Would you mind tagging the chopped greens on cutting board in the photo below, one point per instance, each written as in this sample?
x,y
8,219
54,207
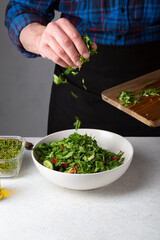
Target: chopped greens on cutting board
x,y
140,98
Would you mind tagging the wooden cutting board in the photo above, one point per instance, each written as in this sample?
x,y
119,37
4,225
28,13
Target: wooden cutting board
x,y
148,110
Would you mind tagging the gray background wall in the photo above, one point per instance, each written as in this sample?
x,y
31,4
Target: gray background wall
x,y
24,88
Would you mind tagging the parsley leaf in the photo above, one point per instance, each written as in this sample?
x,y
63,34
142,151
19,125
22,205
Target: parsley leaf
x,y
77,123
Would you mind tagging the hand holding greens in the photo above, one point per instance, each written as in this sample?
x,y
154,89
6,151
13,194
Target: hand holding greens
x,y
61,78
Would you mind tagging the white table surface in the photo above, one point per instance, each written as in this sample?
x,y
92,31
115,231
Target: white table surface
x,y
128,209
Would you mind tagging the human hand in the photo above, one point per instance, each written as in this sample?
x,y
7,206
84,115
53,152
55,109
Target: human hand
x,y
61,43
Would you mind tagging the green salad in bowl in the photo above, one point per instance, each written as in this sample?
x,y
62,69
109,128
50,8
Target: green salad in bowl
x,y
84,159
77,154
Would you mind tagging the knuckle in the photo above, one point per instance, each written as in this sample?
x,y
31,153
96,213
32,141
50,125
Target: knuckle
x,y
66,42
49,39
75,36
63,21
75,58
51,27
56,59
70,63
60,51
45,37
51,24
41,49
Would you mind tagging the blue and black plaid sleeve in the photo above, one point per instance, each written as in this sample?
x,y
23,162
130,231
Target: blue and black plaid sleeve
x,y
109,22
21,13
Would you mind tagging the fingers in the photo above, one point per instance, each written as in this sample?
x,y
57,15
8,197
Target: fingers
x,y
74,37
94,46
51,55
69,40
61,43
61,53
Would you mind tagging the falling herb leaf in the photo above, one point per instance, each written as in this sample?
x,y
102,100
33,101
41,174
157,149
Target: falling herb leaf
x,y
74,95
77,123
74,73
83,84
57,80
61,78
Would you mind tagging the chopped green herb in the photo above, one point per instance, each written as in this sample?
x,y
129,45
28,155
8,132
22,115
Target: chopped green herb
x,y
146,81
150,92
88,43
77,154
58,80
77,123
74,95
83,84
83,80
127,97
74,73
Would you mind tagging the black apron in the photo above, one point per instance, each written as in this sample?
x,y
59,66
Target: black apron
x,y
110,67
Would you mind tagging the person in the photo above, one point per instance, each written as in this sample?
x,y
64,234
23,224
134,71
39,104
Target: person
x,y
126,35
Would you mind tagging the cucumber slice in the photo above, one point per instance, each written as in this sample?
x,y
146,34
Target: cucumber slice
x,y
48,164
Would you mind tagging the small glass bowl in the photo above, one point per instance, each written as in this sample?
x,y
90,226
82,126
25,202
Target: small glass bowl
x,y
10,167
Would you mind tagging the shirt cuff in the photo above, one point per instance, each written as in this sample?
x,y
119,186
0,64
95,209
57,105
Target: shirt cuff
x,y
18,24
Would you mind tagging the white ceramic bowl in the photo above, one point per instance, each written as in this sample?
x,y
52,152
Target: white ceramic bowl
x,y
107,140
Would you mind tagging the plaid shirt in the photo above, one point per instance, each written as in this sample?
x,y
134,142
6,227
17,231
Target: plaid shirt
x,y
110,22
